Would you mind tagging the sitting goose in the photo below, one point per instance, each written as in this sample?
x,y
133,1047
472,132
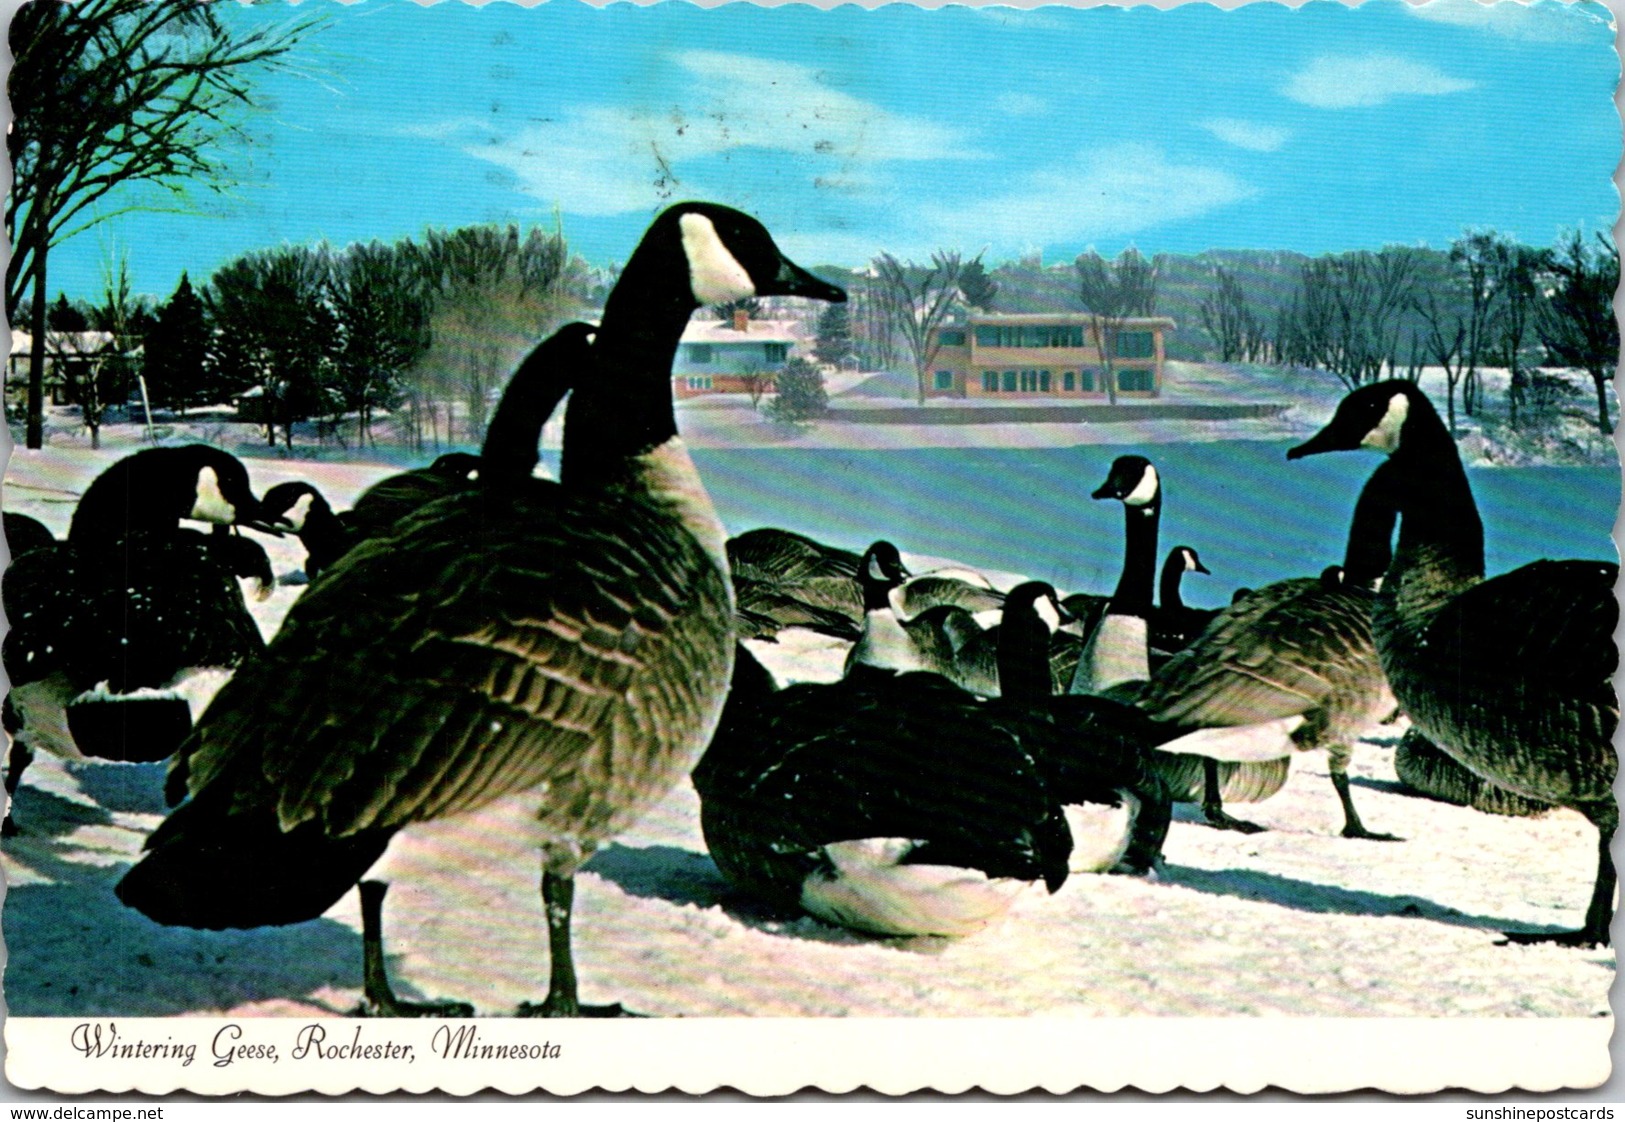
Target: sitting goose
x,y
1508,675
564,644
1290,667
888,803
121,633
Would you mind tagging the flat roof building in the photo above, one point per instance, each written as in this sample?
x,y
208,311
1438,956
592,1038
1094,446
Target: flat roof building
x,y
1051,355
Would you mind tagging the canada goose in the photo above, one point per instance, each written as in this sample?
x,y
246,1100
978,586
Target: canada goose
x,y
783,579
889,803
121,633
305,512
1288,668
1095,751
1510,675
1116,657
569,644
1173,623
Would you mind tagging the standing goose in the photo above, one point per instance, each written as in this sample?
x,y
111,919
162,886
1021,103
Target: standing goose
x,y
1288,668
1510,675
121,633
1116,658
566,644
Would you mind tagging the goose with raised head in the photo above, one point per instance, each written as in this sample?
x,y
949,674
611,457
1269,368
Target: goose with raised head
x,y
121,633
567,645
1508,675
1116,658
1288,668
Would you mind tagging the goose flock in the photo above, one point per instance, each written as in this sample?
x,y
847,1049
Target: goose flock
x,y
475,635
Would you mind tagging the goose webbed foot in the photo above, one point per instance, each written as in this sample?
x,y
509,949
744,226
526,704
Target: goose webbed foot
x,y
558,897
380,997
1352,826
1220,819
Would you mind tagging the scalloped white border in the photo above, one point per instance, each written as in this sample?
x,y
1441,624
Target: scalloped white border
x,y
782,1056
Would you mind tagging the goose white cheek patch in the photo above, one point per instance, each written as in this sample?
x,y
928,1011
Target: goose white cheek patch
x,y
1385,437
1145,490
211,505
298,512
715,275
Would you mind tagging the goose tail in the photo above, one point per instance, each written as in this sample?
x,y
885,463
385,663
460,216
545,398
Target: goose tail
x,y
210,868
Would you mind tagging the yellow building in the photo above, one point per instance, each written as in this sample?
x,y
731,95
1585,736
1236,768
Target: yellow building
x,y
1045,356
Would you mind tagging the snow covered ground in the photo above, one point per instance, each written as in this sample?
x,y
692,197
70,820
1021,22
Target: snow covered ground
x,y
1296,921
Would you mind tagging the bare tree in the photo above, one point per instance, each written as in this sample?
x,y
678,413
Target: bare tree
x,y
1111,294
1517,266
920,298
383,313
1228,320
1576,321
1444,337
757,382
106,93
1347,313
104,379
1478,258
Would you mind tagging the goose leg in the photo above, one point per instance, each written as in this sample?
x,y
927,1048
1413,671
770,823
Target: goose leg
x,y
381,1000
21,756
1352,826
1150,828
558,896
1213,802
1600,912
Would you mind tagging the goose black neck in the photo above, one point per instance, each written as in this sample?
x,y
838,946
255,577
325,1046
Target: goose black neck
x,y
1023,656
1173,571
508,456
625,408
149,494
1135,584
1428,486
1371,531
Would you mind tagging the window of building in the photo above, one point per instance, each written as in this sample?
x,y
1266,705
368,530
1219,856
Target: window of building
x,y
990,381
1089,381
699,381
1136,381
1009,381
776,352
945,379
1069,381
952,337
1044,381
700,353
1135,344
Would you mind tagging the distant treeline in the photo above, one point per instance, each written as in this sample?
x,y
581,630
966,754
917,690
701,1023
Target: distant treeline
x,y
426,329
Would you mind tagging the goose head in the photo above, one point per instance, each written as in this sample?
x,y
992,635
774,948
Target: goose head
x,y
157,487
1036,601
1187,560
1132,481
1378,417
290,505
880,571
705,253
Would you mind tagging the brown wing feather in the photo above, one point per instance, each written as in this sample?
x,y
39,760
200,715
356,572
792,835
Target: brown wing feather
x,y
477,653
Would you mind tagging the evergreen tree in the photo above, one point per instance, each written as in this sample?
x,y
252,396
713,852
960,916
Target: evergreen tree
x,y
176,351
801,396
834,344
977,287
64,316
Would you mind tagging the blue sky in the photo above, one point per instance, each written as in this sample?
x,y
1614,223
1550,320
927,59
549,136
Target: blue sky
x,y
849,131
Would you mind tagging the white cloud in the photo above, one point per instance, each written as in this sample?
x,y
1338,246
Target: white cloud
x,y
1248,134
1369,80
1549,22
606,160
1103,193
1011,104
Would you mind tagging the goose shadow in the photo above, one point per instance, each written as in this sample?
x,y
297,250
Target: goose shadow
x,y
75,950
1328,899
40,814
682,877
123,788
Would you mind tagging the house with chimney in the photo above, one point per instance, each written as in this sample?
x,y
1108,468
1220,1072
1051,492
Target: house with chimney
x,y
723,356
